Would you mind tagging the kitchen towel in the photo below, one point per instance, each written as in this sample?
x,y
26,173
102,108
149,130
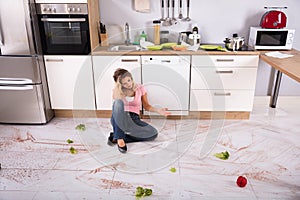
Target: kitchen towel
x,y
277,54
142,6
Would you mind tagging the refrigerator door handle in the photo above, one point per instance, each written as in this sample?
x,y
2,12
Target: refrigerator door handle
x,y
15,81
1,38
19,87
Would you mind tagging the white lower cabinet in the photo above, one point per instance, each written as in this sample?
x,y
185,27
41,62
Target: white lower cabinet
x,y
221,100
223,83
104,68
215,82
70,82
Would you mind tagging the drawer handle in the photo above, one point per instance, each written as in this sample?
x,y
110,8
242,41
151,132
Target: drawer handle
x,y
222,94
54,60
129,60
224,71
225,60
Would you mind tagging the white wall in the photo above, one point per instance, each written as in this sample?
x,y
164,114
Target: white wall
x,y
216,19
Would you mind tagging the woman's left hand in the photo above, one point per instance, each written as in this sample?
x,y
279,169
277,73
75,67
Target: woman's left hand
x,y
163,111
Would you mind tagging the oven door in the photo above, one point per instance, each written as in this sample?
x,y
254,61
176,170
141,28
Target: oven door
x,y
271,38
65,34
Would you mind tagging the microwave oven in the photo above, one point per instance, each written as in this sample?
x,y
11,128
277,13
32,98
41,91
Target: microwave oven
x,y
271,39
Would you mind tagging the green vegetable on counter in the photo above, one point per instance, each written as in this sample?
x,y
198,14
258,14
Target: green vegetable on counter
x,y
73,150
69,141
142,192
80,127
222,155
173,169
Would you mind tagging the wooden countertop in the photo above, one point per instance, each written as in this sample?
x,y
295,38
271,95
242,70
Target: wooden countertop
x,y
289,66
100,50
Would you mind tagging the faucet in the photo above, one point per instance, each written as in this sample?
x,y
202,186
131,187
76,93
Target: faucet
x,y
127,40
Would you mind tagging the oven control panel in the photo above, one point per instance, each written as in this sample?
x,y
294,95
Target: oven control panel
x,y
71,9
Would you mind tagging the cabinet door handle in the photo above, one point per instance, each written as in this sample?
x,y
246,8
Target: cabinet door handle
x,y
222,94
19,87
225,60
129,60
224,71
54,60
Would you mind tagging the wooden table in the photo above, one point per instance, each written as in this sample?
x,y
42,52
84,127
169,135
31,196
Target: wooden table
x,y
289,66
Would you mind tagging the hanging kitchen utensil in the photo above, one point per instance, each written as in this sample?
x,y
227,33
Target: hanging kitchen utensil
x,y
180,16
162,10
188,11
174,21
167,21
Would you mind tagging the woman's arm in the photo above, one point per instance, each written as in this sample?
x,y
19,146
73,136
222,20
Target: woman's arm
x,y
148,107
117,92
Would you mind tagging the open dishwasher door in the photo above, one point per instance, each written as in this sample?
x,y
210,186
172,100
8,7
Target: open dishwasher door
x,y
166,79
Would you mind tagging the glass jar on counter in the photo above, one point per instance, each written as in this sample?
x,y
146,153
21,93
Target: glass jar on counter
x,y
164,35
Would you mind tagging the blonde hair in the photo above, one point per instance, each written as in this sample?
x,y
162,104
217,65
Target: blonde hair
x,y
119,75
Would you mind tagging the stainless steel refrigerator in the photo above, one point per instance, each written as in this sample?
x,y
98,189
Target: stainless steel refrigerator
x,y
24,96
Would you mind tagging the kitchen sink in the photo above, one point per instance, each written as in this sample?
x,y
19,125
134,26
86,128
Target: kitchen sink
x,y
125,48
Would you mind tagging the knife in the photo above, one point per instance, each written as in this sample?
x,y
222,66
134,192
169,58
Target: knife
x,y
102,28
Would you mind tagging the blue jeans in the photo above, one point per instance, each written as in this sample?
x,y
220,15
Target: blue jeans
x,y
128,125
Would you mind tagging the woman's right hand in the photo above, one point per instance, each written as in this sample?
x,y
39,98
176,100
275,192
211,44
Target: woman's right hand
x,y
117,91
163,111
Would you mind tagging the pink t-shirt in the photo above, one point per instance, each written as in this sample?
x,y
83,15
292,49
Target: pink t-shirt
x,y
133,104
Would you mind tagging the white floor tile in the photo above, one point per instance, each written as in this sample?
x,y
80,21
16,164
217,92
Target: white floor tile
x,y
37,163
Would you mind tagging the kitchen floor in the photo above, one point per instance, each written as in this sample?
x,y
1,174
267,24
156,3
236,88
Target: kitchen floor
x,y
37,162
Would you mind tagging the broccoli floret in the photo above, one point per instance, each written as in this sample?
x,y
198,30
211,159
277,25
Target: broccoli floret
x,y
69,141
73,150
139,192
147,192
142,192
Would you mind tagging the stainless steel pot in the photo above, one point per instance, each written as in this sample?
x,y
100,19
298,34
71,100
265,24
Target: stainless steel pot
x,y
235,43
184,37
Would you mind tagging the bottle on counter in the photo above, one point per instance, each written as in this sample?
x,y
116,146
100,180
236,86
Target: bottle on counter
x,y
195,36
195,30
156,27
143,36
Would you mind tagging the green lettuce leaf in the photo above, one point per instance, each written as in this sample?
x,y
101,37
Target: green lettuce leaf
x,y
222,155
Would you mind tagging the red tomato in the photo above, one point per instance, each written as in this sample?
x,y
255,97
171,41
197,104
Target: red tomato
x,y
241,181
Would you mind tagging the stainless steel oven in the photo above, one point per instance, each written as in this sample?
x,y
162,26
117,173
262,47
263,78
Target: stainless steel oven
x,y
64,29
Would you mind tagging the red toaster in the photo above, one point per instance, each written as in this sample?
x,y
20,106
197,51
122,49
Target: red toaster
x,y
273,19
